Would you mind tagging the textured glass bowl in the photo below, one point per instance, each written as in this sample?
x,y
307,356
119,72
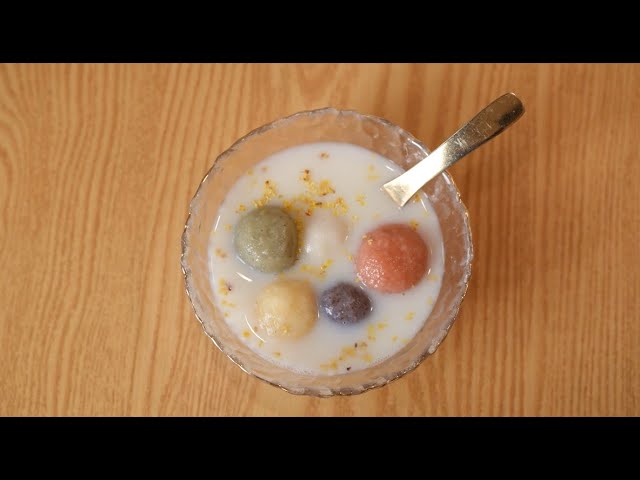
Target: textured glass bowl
x,y
327,124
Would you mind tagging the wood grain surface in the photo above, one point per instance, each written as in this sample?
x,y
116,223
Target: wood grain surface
x,y
98,164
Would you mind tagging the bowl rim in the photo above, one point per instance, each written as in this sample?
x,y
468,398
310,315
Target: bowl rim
x,y
429,349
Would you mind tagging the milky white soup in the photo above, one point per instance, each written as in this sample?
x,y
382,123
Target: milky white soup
x,y
320,184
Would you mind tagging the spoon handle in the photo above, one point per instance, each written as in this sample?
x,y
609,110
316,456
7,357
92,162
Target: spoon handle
x,y
489,122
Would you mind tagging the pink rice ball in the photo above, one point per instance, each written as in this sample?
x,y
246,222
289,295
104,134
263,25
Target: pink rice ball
x,y
392,258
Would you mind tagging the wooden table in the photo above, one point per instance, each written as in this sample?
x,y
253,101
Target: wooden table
x,y
98,164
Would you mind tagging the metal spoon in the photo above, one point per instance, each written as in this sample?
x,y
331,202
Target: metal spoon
x,y
488,123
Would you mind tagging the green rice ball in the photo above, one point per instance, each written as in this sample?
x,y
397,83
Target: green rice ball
x,y
267,239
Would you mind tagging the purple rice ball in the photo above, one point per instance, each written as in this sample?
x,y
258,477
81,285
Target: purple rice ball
x,y
345,303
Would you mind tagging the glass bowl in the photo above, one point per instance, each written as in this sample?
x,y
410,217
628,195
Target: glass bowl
x,y
326,124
